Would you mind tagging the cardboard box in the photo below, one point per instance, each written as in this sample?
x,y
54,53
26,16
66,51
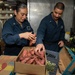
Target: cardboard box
x,y
28,68
67,61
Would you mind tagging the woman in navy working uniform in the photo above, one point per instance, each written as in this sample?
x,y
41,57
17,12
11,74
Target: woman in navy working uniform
x,y
17,31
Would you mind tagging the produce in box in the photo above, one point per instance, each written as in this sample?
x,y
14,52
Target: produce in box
x,y
32,57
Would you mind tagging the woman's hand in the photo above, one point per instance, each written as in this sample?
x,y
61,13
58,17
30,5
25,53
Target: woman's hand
x,y
32,42
27,35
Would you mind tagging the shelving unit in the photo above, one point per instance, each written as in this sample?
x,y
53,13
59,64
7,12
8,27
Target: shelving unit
x,y
6,11
5,14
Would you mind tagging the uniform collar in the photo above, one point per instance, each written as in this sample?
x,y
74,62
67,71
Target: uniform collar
x,y
52,20
16,23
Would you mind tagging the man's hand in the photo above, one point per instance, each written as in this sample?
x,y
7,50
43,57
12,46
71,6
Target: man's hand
x,y
61,43
40,47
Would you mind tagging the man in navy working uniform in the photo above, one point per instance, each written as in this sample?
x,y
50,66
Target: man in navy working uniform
x,y
50,34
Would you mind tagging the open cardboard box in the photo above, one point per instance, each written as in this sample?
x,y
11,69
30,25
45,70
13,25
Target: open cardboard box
x,y
65,60
28,68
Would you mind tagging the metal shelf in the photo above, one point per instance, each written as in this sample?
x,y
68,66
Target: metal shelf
x,y
6,12
5,17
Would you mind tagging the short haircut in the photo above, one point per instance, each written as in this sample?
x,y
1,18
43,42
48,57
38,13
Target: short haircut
x,y
60,6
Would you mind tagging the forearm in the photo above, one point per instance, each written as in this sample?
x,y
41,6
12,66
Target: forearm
x,y
39,39
11,39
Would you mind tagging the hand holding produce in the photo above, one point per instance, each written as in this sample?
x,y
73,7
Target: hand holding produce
x,y
32,42
32,57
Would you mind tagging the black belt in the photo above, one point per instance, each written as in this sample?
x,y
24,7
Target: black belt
x,y
19,46
50,43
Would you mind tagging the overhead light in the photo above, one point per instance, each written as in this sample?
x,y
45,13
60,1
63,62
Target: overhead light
x,y
6,4
1,1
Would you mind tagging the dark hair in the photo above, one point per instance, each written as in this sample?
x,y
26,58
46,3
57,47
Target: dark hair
x,y
59,5
19,5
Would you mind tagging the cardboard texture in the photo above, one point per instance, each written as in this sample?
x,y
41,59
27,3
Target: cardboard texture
x,y
40,74
9,60
35,74
28,68
65,60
